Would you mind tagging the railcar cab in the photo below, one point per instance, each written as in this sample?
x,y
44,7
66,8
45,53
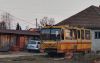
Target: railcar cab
x,y
52,33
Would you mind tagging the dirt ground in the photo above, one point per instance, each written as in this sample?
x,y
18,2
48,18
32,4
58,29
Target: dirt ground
x,y
24,57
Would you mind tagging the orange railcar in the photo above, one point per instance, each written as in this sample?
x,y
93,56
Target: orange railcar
x,y
63,39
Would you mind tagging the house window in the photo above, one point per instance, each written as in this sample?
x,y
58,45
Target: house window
x,y
97,35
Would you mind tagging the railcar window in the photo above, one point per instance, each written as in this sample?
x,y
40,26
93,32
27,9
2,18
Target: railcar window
x,y
68,35
75,34
82,34
71,34
87,34
45,34
55,34
51,34
78,34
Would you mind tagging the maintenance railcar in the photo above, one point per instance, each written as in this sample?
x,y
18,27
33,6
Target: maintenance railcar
x,y
63,39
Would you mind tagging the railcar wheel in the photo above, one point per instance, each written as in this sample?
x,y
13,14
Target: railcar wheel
x,y
51,54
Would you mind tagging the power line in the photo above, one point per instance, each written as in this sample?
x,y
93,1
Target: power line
x,y
22,20
16,18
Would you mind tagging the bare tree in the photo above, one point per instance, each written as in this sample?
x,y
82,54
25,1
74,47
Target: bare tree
x,y
43,21
2,25
27,27
51,21
47,21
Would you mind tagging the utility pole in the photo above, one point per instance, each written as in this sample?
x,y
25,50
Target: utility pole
x,y
7,19
36,23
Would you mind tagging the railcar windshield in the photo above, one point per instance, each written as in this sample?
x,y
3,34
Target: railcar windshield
x,y
51,34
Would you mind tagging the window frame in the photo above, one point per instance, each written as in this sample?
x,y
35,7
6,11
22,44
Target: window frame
x,y
97,35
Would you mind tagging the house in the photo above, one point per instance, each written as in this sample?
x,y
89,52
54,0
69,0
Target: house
x,y
88,18
15,39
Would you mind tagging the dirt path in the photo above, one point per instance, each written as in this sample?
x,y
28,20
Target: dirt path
x,y
24,57
18,54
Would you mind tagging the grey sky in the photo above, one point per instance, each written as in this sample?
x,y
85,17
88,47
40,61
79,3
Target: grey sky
x,y
58,9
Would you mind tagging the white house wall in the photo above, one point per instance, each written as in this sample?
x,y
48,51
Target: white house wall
x,y
95,42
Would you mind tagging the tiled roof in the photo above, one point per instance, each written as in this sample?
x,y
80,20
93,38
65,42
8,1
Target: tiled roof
x,y
88,18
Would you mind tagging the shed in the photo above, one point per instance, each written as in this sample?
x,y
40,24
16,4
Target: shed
x,y
11,38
